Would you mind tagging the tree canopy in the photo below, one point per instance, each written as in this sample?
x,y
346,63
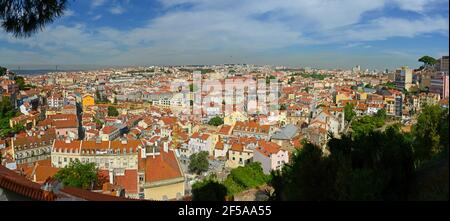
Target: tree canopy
x,y
367,124
216,121
349,112
77,174
3,70
372,165
427,60
208,190
198,162
375,166
430,132
7,112
243,178
112,111
23,18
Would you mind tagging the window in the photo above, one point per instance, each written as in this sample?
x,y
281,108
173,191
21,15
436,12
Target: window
x,y
65,159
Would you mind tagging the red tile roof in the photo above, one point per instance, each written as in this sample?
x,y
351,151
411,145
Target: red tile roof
x,y
162,167
18,184
267,148
129,181
109,129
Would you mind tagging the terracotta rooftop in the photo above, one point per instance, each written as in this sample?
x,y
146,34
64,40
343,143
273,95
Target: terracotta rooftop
x,y
162,167
18,184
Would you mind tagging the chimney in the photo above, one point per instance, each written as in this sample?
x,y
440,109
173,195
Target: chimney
x,y
111,176
143,153
166,147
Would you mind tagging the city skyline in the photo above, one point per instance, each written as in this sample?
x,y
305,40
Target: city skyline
x,y
374,34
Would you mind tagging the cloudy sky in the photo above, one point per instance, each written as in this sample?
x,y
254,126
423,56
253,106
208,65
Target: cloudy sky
x,y
316,33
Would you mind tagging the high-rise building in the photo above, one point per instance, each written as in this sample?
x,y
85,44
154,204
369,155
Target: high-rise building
x,y
403,78
444,64
439,84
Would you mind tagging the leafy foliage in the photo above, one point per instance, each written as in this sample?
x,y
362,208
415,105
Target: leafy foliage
x,y
389,85
22,18
291,80
112,111
427,60
375,166
314,76
270,78
79,175
7,112
349,112
216,121
3,71
247,177
198,162
430,132
367,124
208,190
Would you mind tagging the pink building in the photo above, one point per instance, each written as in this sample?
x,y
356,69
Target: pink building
x,y
270,155
440,85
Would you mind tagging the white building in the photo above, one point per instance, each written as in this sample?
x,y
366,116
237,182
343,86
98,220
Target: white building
x,y
270,155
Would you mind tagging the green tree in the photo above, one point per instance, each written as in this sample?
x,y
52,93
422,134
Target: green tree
x,y
198,162
381,114
18,128
20,81
7,112
373,166
112,111
291,80
366,124
427,60
3,71
78,174
349,112
243,178
208,190
22,18
431,124
390,85
215,121
368,86
269,78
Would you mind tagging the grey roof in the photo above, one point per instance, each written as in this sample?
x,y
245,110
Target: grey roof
x,y
286,133
370,90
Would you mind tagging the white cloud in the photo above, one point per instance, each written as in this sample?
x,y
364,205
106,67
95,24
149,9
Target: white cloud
x,y
242,28
117,10
384,28
69,13
97,3
97,17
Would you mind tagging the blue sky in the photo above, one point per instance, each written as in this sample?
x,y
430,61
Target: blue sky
x,y
321,33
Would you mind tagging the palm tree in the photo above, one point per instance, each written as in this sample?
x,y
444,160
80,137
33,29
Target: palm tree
x,y
23,18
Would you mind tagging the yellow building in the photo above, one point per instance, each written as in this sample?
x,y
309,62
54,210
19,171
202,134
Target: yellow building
x,y
88,100
233,117
389,101
362,96
342,96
